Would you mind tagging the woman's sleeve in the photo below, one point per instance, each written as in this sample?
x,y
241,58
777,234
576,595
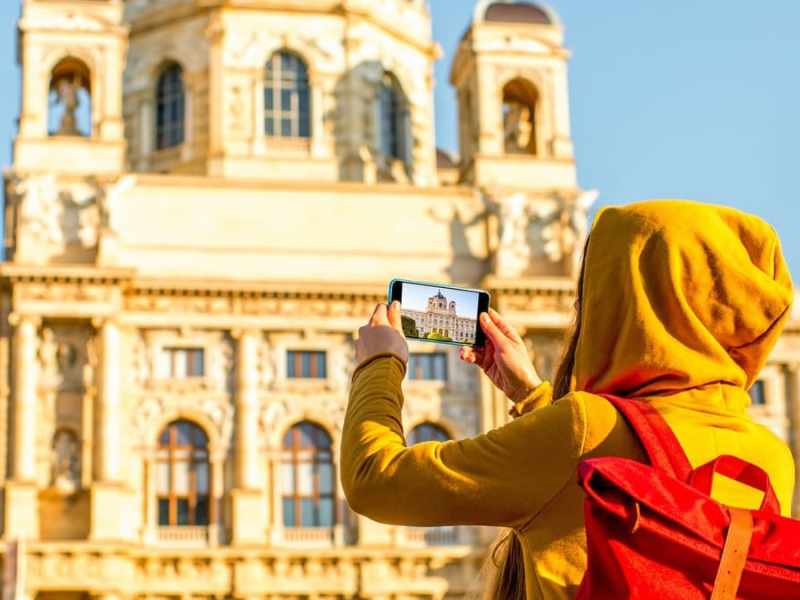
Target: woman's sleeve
x,y
503,478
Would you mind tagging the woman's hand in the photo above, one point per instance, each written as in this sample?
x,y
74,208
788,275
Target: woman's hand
x,y
383,333
504,358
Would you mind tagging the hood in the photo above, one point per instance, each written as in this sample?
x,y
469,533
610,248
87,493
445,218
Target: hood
x,y
679,295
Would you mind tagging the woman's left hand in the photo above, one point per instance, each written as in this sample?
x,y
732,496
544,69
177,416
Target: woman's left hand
x,y
383,333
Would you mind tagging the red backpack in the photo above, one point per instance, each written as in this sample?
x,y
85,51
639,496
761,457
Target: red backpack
x,y
653,531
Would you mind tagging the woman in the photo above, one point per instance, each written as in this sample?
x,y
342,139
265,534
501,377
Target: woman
x,y
679,304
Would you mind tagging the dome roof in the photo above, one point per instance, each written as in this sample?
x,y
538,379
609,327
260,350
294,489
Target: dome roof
x,y
516,11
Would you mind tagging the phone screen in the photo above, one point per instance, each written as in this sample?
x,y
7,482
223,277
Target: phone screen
x,y
439,313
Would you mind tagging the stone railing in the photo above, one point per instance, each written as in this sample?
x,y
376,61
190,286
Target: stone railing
x,y
438,536
184,536
314,537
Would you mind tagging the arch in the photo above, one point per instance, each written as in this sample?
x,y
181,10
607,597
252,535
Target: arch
x,y
183,475
215,441
287,96
520,113
170,101
307,476
70,98
392,117
428,431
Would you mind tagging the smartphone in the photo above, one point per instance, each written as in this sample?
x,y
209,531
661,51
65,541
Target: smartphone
x,y
439,313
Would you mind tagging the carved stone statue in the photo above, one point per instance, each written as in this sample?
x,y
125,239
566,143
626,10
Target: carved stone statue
x,y
513,254
66,461
67,89
517,127
48,359
40,211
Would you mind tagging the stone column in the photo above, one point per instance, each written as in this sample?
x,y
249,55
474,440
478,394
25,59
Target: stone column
x,y
107,486
793,413
21,502
249,503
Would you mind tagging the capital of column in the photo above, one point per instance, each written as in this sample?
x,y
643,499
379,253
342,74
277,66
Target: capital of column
x,y
16,319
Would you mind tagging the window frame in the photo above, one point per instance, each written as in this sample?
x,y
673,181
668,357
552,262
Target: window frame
x,y
172,353
170,131
287,97
294,456
421,357
198,454
294,360
393,115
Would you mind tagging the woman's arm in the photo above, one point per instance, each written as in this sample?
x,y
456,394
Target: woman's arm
x,y
502,478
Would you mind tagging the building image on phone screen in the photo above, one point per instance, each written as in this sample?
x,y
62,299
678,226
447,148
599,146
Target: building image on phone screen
x,y
439,317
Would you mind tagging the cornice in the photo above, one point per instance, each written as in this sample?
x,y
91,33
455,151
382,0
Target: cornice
x,y
11,273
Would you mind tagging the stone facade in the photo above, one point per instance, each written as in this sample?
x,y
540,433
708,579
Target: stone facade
x,y
177,264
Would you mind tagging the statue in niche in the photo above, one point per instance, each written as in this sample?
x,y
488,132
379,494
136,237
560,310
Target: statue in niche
x,y
48,359
67,89
66,461
517,127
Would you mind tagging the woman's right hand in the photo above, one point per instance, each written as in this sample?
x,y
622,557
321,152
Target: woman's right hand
x,y
504,358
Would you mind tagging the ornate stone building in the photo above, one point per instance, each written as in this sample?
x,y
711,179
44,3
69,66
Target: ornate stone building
x,y
440,318
206,200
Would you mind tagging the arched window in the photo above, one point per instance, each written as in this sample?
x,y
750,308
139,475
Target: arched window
x,y
520,100
392,118
182,474
427,432
287,97
170,107
307,477
69,99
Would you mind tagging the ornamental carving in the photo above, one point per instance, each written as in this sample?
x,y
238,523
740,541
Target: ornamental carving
x,y
265,305
151,412
64,292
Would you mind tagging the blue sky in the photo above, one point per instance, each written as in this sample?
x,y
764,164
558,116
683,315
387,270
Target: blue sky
x,y
415,297
669,99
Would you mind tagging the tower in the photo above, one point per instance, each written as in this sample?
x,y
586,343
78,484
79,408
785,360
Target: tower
x,y
71,58
510,74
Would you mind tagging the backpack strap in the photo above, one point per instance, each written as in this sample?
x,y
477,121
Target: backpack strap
x,y
659,443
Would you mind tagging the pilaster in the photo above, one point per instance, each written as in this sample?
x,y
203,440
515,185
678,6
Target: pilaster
x,y
247,499
21,493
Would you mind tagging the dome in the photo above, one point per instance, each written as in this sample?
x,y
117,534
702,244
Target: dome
x,y
512,11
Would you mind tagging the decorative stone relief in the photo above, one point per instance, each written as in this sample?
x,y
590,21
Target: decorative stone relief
x,y
64,292
151,411
40,212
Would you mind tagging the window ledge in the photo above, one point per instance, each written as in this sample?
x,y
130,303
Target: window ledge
x,y
313,537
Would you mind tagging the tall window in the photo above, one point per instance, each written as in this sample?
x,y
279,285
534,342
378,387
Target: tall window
x,y
182,363
170,108
182,475
758,393
427,365
287,97
305,365
392,117
307,477
427,432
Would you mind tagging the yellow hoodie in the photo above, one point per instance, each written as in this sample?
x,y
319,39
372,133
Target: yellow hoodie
x,y
682,302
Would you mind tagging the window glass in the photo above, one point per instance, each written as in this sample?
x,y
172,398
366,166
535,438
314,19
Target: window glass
x,y
427,432
288,512
286,84
430,366
170,107
163,511
305,364
326,517
758,393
